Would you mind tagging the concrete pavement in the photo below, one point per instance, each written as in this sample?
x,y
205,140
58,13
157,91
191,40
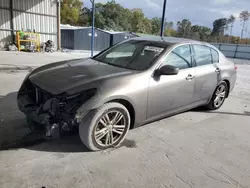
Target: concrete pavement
x,y
193,149
26,61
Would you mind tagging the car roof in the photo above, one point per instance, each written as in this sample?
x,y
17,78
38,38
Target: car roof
x,y
168,40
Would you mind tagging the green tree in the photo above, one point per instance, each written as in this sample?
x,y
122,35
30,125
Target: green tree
x,y
156,25
169,29
219,27
170,25
196,29
173,33
126,22
147,26
230,22
70,11
85,17
244,17
205,33
112,13
137,21
184,28
100,20
112,16
201,32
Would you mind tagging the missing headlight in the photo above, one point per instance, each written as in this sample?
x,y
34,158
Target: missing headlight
x,y
82,95
71,103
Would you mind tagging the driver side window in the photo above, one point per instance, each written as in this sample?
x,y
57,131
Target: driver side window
x,y
180,57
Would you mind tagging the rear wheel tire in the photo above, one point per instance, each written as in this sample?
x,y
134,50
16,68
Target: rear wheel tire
x,y
105,127
219,96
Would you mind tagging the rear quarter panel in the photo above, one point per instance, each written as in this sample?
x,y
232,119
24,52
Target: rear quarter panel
x,y
228,71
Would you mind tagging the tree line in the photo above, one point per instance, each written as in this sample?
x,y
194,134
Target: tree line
x,y
113,16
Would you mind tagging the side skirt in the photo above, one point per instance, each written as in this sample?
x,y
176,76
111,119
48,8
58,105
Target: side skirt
x,y
172,113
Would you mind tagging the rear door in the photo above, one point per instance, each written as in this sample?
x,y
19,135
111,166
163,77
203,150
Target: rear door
x,y
206,73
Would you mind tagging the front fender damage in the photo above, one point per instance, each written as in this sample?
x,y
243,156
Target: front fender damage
x,y
88,107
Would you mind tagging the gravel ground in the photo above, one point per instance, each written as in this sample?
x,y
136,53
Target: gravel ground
x,y
193,149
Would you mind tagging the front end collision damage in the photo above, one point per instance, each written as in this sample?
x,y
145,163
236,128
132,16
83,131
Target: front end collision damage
x,y
51,113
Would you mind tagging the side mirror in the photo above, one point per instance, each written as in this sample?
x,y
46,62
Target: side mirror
x,y
168,70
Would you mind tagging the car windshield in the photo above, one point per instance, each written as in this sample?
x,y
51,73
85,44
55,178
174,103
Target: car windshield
x,y
133,54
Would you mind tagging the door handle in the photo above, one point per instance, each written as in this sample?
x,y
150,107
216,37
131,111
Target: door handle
x,y
190,77
217,70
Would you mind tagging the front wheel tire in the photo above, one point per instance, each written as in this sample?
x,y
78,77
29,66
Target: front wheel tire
x,y
105,127
219,96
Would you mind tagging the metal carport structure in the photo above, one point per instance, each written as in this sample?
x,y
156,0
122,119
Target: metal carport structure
x,y
79,38
43,16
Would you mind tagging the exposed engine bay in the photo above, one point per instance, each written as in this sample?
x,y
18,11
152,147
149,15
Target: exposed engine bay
x,y
53,114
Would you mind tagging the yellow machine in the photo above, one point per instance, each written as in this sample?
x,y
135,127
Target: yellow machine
x,y
28,40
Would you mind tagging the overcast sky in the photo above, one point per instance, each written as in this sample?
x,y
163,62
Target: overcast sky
x,y
201,12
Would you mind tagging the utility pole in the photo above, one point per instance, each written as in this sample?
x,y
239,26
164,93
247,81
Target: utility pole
x,y
163,18
93,28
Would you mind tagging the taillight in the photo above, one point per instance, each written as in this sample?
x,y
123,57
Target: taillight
x,y
235,67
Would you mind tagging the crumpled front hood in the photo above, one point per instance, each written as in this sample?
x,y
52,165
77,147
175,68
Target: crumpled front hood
x,y
61,77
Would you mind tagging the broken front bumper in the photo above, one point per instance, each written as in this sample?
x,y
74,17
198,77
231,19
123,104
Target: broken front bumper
x,y
49,110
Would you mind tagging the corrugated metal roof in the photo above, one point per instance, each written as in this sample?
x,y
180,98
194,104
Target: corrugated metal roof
x,y
5,3
112,32
40,23
5,19
36,6
67,26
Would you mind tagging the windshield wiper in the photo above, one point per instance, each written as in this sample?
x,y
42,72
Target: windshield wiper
x,y
115,65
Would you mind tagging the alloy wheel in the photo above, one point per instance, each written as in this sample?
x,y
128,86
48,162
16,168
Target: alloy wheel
x,y
110,128
220,95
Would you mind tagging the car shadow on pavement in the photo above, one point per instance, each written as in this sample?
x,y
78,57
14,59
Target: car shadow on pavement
x,y
14,132
67,144
205,110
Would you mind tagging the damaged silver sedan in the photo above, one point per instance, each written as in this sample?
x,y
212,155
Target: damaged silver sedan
x,y
130,84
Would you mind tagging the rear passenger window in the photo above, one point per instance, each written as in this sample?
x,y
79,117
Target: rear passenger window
x,y
180,57
215,56
202,55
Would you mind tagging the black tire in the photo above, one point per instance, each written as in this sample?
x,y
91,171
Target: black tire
x,y
88,125
211,105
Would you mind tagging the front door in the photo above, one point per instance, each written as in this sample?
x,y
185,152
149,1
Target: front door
x,y
172,92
